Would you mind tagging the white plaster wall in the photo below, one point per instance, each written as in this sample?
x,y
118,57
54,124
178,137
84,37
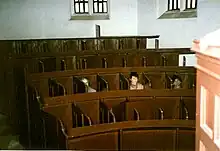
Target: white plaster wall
x,y
177,33
25,19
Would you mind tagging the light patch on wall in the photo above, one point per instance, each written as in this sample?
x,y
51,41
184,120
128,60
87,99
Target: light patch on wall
x,y
201,146
161,7
203,110
190,60
217,121
151,43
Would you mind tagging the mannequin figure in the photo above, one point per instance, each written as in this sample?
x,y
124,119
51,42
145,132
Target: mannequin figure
x,y
134,84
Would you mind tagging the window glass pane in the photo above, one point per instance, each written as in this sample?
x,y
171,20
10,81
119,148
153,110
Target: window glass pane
x,y
95,7
86,7
174,4
105,7
100,7
171,4
81,8
77,7
193,3
188,3
178,3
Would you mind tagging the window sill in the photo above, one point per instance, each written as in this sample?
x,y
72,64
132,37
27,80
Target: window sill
x,y
188,13
91,17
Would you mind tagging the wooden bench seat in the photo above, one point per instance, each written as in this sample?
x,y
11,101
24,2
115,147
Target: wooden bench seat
x,y
116,106
99,59
88,109
134,135
111,79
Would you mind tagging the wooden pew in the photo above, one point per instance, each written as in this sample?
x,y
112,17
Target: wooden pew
x,y
114,79
123,103
81,110
135,135
101,59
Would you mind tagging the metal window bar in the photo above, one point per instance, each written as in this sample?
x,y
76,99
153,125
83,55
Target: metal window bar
x,y
196,4
81,10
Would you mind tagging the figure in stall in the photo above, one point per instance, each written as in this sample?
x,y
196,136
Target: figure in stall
x,y
177,82
86,82
134,84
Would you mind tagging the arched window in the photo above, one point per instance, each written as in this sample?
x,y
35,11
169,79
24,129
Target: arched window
x,y
191,4
173,5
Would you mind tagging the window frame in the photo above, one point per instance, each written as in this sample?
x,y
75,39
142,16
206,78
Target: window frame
x,y
80,2
173,6
166,11
100,2
191,5
91,15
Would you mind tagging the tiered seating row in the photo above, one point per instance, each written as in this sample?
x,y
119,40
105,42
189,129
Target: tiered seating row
x,y
82,110
23,47
68,82
90,60
136,135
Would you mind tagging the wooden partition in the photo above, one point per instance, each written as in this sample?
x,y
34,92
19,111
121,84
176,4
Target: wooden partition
x,y
78,55
208,94
62,118
135,135
111,79
107,59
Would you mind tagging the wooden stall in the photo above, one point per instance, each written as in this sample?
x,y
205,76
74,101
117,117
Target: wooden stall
x,y
77,121
115,79
208,93
48,102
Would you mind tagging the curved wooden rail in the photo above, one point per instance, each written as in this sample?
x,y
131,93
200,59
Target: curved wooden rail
x,y
149,124
123,135
51,101
100,71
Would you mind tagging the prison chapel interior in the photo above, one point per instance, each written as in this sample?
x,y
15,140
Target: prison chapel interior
x,y
110,75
